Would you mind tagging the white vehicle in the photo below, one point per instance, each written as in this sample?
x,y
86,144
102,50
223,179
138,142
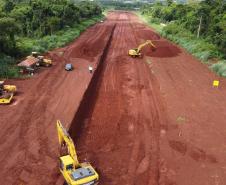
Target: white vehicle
x,y
69,67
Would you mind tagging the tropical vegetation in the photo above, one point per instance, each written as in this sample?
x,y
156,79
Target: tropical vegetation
x,y
39,25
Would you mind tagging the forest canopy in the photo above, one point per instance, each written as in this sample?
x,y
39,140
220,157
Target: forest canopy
x,y
206,19
38,18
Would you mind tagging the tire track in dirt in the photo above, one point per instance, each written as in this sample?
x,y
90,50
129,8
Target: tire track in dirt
x,y
124,123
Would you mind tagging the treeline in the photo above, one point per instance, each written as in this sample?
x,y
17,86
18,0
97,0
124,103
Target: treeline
x,y
120,5
38,18
206,20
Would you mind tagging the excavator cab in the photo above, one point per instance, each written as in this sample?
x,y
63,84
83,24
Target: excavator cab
x,y
66,163
76,176
74,173
134,52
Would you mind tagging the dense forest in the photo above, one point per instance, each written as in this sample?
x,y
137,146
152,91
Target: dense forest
x,y
121,5
204,20
39,18
26,25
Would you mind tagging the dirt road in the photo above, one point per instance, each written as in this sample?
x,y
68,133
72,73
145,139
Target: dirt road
x,y
154,120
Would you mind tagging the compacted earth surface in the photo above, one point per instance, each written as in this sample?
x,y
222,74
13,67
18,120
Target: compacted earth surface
x,y
153,120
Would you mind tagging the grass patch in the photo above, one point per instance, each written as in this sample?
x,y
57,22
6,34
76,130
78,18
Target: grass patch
x,y
8,68
220,68
153,22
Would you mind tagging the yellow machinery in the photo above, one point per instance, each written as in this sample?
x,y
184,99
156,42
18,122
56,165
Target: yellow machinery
x,y
74,173
41,60
137,51
6,93
44,62
5,98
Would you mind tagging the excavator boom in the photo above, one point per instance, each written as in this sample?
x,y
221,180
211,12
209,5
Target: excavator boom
x,y
74,173
137,51
144,44
64,138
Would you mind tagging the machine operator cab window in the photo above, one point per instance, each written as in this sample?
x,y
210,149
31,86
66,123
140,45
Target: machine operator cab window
x,y
66,163
69,167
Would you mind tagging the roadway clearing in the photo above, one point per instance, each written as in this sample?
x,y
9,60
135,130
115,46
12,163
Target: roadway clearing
x,y
155,120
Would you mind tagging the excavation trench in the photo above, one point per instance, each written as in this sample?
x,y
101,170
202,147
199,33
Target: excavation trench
x,y
87,103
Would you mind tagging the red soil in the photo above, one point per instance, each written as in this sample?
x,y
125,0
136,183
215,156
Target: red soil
x,y
154,120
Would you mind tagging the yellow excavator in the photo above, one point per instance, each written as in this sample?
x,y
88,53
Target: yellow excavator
x,y
41,60
74,173
137,51
6,93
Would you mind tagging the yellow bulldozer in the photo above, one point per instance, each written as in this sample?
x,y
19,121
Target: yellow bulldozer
x,y
74,173
137,51
41,60
6,93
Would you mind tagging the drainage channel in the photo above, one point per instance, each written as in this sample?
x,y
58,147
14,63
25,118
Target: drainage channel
x,y
86,106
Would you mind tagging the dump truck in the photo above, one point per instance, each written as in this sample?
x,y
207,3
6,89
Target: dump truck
x,y
74,173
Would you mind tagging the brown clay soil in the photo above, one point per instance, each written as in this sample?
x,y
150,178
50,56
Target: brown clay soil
x,y
154,120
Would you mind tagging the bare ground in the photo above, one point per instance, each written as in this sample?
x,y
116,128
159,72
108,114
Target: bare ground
x,y
154,120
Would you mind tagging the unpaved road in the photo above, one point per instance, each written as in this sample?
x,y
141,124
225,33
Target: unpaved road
x,y
155,120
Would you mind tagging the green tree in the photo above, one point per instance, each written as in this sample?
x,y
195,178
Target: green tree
x,y
9,5
53,24
8,30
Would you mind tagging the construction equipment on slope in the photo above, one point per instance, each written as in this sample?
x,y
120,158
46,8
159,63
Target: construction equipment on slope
x,y
41,60
74,173
6,93
137,51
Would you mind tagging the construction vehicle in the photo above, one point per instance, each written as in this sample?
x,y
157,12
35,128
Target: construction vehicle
x,y
41,60
7,88
68,67
74,173
44,62
137,51
5,98
6,93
